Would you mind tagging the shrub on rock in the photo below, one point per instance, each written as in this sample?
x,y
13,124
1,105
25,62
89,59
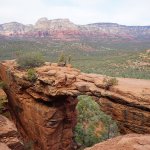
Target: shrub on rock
x,y
3,85
109,82
30,60
31,75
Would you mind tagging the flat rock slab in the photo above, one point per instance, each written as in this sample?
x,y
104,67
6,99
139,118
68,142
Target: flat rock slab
x,y
126,142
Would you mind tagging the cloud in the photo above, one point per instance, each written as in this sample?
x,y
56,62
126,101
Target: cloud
x,y
129,12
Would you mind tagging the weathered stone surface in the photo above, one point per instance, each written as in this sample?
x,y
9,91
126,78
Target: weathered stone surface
x,y
44,111
130,118
9,134
2,93
126,142
4,146
45,124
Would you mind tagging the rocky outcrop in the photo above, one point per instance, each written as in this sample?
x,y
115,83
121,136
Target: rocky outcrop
x,y
44,124
126,142
44,110
56,24
4,146
14,28
9,135
64,29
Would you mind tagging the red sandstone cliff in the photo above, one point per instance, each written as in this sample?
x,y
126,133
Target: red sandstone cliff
x,y
44,110
64,29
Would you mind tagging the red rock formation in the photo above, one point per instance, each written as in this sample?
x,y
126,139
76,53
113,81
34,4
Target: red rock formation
x,y
126,142
44,110
2,93
4,146
9,134
65,30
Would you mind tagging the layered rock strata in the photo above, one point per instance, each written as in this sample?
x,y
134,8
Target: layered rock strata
x,y
65,30
44,110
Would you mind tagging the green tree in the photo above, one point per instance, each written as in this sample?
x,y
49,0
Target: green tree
x,y
89,118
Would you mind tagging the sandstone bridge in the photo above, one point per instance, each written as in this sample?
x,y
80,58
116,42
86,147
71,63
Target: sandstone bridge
x,y
44,111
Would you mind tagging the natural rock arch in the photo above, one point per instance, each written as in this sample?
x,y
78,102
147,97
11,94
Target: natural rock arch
x,y
44,110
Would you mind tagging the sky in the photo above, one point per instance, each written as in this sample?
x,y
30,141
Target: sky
x,y
127,12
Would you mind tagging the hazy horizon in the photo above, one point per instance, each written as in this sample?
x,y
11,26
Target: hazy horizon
x,y
125,12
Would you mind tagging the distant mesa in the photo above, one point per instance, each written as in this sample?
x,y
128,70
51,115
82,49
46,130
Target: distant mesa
x,y
42,19
64,29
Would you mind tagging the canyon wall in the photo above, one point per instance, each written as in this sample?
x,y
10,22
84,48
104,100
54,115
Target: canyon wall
x,y
44,110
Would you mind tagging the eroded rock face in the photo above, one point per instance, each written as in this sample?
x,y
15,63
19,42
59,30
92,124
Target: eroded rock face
x,y
4,146
2,93
65,30
44,110
44,125
126,142
9,135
